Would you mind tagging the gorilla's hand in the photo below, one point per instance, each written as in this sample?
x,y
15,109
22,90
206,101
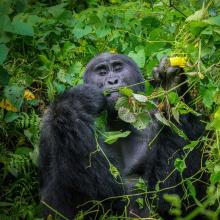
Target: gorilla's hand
x,y
90,97
79,102
166,75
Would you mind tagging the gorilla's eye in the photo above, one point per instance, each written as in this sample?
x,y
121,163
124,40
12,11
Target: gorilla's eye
x,y
118,67
101,69
102,72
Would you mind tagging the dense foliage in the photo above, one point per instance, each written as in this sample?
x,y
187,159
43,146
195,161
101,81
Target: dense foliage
x,y
44,47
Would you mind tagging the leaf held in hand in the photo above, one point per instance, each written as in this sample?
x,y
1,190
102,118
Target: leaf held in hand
x,y
126,115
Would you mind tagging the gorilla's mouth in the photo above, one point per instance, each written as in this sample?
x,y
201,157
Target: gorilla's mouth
x,y
112,95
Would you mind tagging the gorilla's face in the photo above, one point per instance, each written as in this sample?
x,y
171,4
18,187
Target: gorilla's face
x,y
111,72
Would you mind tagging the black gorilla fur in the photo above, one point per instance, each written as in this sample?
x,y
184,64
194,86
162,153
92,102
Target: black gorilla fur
x,y
67,141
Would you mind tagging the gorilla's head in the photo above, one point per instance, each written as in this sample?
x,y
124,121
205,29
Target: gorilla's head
x,y
112,71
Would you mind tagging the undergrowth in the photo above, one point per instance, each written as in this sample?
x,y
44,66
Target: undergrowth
x,y
44,47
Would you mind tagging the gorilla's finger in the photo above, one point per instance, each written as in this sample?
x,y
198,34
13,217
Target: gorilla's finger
x,y
177,79
156,73
172,71
163,64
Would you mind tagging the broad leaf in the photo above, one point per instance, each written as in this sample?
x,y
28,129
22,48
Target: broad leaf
x,y
126,91
213,20
81,32
198,15
142,121
112,136
180,165
114,171
140,98
22,28
126,115
138,57
162,119
4,76
14,94
3,53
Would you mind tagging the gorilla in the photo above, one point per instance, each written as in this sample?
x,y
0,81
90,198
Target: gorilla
x,y
74,173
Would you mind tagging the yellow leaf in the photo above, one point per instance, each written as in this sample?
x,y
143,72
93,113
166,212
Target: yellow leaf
x,y
5,104
217,114
196,45
178,61
113,50
28,94
201,76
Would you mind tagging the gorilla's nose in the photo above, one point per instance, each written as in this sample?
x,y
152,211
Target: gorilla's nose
x,y
112,81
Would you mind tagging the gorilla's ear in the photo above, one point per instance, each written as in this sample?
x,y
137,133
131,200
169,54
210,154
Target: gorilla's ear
x,y
86,76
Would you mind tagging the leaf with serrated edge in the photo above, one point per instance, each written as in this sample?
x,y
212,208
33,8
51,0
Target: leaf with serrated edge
x,y
126,115
140,98
113,136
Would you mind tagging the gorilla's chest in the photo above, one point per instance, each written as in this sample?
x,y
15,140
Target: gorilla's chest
x,y
131,152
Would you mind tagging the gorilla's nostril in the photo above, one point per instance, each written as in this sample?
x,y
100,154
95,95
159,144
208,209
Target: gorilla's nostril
x,y
113,82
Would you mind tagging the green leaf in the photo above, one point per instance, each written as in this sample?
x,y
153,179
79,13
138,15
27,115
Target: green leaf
x,y
10,117
150,65
216,120
198,15
122,102
213,20
57,10
75,68
5,23
64,77
23,151
14,94
162,119
22,28
183,108
140,98
215,176
141,185
126,115
142,121
112,136
140,202
180,165
114,171
60,88
208,95
138,57
81,32
3,53
175,114
102,31
126,91
173,98
4,76
191,188
100,122
190,146
46,61
173,199
178,131
5,204
5,7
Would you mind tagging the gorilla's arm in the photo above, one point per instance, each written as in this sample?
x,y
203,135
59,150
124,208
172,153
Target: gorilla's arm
x,y
66,144
169,145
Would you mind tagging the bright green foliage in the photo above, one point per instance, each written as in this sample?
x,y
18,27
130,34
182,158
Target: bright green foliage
x,y
44,47
180,165
133,109
112,136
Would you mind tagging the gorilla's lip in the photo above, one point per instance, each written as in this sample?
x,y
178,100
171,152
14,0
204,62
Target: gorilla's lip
x,y
113,95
